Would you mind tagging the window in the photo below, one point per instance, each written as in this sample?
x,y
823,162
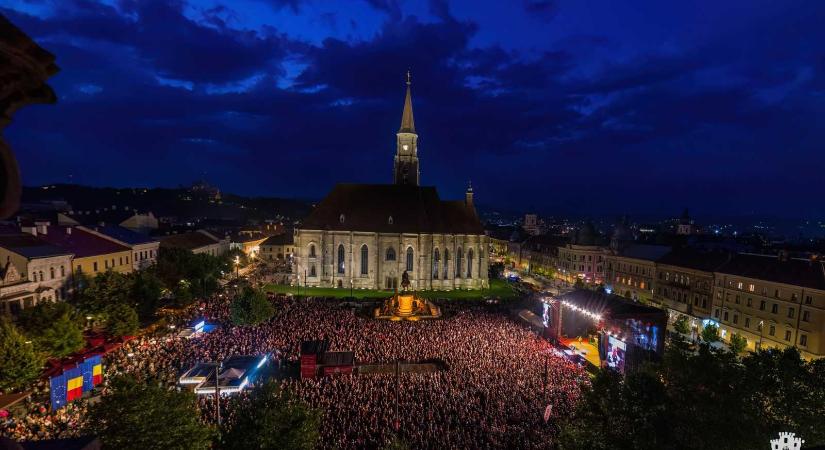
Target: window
x,y
776,293
725,316
341,254
806,316
716,313
739,285
762,305
446,262
737,299
704,303
389,220
788,335
747,322
365,260
791,313
62,271
312,250
435,264
750,302
409,259
94,266
735,319
774,308
51,273
808,300
42,277
312,272
470,263
390,256
341,218
803,340
458,263
751,287
772,330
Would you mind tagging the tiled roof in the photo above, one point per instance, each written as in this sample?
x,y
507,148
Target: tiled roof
x,y
280,239
798,272
79,242
123,235
30,247
696,259
645,252
391,208
188,241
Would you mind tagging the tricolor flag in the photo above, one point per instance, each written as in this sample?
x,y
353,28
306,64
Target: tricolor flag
x,y
97,374
74,388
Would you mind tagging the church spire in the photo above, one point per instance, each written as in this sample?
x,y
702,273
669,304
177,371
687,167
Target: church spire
x,y
407,121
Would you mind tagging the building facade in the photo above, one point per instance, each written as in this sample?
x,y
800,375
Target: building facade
x,y
368,236
772,301
31,271
93,253
143,248
279,247
583,258
197,242
631,270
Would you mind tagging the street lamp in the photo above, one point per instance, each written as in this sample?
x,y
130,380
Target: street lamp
x,y
350,287
237,266
761,327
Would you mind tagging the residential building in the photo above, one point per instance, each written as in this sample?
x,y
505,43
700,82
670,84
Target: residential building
x,y
131,219
583,258
93,253
631,270
248,243
278,247
31,271
540,254
198,242
772,301
684,282
144,249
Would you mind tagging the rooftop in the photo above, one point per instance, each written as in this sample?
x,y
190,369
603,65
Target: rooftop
x,y
30,247
807,273
645,251
123,235
188,241
697,259
81,243
608,305
280,239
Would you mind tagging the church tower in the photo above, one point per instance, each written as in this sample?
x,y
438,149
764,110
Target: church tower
x,y
406,155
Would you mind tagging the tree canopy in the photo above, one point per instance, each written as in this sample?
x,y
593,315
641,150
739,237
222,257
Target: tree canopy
x,y
134,415
701,399
20,362
250,307
54,328
270,420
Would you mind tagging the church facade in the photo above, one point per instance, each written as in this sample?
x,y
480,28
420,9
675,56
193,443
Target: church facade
x,y
365,236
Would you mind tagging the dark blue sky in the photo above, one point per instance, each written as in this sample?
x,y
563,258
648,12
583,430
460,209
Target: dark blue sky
x,y
571,106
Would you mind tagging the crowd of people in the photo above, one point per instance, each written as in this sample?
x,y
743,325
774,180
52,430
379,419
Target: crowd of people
x,y
497,381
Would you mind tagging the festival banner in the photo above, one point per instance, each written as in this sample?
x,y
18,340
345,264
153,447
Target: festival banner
x,y
57,391
92,372
74,383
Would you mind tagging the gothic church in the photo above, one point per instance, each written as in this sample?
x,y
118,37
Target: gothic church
x,y
368,235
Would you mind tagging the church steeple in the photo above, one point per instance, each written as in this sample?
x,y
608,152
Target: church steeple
x,y
406,154
407,120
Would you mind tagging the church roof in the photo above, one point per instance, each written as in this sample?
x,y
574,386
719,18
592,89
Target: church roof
x,y
407,121
392,208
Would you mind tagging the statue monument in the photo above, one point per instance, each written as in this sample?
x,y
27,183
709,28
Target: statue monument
x,y
406,306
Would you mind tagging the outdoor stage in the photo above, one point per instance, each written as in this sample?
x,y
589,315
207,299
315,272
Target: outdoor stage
x,y
584,348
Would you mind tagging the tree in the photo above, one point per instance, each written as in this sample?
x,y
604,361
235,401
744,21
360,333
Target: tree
x,y
146,290
20,362
53,327
682,325
121,320
710,333
271,420
134,415
251,307
105,289
738,343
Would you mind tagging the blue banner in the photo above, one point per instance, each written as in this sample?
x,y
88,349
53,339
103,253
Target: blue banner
x,y
88,372
57,391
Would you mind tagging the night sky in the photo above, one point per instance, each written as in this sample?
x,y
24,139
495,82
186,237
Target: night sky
x,y
559,106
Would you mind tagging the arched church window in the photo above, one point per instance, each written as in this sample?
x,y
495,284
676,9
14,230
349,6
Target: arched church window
x,y
389,220
311,250
446,263
312,272
470,263
51,272
341,218
435,264
390,254
341,258
458,263
365,255
409,259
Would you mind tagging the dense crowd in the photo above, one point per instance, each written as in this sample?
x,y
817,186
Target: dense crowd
x,y
497,381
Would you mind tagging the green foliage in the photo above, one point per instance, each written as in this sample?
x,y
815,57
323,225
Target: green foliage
x,y
251,307
710,333
201,271
20,363
121,320
701,399
105,289
495,270
738,343
54,328
271,420
140,416
682,324
146,290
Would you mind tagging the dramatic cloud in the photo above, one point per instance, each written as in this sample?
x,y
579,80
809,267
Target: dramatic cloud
x,y
594,114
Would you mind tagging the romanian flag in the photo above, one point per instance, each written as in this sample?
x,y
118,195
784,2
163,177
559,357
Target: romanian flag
x,y
74,387
97,374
